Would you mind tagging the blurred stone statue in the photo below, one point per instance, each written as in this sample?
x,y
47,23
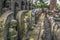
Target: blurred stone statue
x,y
1,30
12,31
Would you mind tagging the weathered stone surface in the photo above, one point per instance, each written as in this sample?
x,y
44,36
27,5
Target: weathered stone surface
x,y
1,30
12,31
3,22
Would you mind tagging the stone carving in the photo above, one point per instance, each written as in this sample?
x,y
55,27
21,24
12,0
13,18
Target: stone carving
x,y
12,30
58,34
25,19
1,30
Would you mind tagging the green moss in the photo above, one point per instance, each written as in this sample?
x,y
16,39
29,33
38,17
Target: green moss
x,y
58,7
29,14
41,5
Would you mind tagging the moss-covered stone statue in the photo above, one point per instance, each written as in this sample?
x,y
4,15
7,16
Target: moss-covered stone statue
x,y
12,31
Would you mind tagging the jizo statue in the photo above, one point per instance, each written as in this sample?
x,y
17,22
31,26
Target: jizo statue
x,y
12,30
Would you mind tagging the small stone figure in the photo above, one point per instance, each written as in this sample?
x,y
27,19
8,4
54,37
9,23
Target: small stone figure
x,y
12,30
1,31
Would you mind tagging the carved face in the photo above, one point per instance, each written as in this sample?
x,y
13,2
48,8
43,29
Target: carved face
x,y
13,23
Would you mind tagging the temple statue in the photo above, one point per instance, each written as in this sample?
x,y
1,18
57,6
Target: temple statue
x,y
12,31
1,30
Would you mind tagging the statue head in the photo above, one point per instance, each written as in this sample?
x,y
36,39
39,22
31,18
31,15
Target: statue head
x,y
4,10
13,23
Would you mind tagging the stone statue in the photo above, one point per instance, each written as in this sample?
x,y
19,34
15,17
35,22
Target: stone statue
x,y
25,27
1,31
12,31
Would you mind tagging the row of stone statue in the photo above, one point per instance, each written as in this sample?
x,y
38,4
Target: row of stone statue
x,y
11,29
23,28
